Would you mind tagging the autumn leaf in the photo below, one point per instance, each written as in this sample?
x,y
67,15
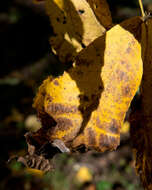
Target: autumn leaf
x,y
75,26
88,103
141,119
121,75
86,106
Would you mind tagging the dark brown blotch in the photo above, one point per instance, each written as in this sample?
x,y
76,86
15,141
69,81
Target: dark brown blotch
x,y
49,98
114,128
63,124
123,62
108,142
122,76
43,93
56,83
126,91
98,123
128,50
91,137
56,108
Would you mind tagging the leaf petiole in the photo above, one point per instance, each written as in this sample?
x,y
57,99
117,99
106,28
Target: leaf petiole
x,y
141,8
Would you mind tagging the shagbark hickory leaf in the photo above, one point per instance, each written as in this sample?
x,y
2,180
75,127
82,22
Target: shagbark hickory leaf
x,y
102,12
141,119
75,26
88,102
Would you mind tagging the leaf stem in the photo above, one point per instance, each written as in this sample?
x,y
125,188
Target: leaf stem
x,y
141,8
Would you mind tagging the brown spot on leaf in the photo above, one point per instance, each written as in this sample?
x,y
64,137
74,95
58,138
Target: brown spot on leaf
x,y
43,93
56,83
132,42
126,91
128,50
122,76
114,128
108,142
49,98
122,62
98,122
91,137
63,124
55,108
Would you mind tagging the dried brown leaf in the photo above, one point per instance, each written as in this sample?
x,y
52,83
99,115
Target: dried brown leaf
x,y
141,119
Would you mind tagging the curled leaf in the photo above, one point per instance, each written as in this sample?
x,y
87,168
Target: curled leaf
x,y
87,104
121,75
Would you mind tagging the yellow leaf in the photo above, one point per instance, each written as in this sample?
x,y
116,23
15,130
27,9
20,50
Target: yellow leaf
x,y
102,12
88,103
121,75
141,119
75,26
83,175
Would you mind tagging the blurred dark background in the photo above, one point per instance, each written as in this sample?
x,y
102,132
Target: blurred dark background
x,y
25,61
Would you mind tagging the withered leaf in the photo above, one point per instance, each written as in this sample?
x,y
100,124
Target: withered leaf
x,y
141,119
35,158
75,26
88,103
